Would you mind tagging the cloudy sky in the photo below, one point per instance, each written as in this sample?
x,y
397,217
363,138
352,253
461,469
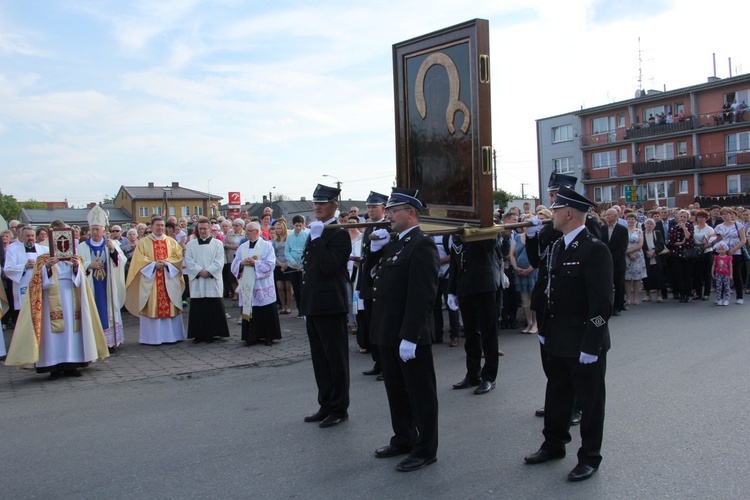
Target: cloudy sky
x,y
250,96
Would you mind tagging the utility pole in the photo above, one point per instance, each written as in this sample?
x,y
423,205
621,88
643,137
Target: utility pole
x,y
523,195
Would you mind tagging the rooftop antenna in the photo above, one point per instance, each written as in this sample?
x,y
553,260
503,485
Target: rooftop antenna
x,y
640,66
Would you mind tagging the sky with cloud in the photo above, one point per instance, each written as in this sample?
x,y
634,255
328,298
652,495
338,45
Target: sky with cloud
x,y
259,97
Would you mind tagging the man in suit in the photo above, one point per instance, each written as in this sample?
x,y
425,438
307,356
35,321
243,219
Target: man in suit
x,y
539,241
575,336
615,236
472,288
325,305
402,327
664,225
376,212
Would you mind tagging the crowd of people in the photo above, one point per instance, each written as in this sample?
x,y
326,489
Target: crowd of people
x,y
389,284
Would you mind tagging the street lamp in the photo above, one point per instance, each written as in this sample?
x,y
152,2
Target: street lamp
x,y
210,212
270,199
166,207
338,184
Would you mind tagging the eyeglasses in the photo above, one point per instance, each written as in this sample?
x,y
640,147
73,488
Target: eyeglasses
x,y
115,231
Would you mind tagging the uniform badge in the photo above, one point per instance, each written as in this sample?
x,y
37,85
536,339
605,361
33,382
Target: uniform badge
x,y
598,321
574,244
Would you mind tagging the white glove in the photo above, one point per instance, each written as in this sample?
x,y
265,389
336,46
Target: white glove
x,y
532,230
587,359
452,302
383,238
541,339
316,229
407,350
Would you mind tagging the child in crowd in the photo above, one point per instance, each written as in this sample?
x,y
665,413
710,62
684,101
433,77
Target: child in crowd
x,y
721,271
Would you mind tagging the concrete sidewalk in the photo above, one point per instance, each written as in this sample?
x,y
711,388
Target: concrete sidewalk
x,y
133,361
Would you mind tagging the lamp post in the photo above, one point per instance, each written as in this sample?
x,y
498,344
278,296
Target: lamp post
x,y
166,206
338,184
210,212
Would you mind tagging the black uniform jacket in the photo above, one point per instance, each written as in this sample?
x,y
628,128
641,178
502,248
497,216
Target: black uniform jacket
x,y
617,245
324,274
368,261
580,298
404,291
473,270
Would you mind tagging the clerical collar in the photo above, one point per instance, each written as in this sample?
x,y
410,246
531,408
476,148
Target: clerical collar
x,y
159,238
405,232
201,241
30,250
252,243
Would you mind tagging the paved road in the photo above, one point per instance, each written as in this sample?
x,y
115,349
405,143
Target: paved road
x,y
677,423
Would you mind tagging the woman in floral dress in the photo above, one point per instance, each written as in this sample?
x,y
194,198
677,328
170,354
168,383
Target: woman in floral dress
x,y
635,264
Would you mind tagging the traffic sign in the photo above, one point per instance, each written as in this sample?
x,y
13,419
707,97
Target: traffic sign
x,y
635,193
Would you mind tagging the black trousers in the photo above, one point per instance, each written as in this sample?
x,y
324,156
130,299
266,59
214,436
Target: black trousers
x,y
363,334
569,382
683,276
619,282
702,274
412,400
480,329
329,349
454,323
296,279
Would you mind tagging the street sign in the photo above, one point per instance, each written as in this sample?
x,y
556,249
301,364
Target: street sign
x,y
635,193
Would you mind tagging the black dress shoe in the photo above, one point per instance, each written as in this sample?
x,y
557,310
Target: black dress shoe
x,y
414,463
543,455
484,387
380,378
318,416
539,412
331,420
374,371
576,418
466,383
581,472
390,451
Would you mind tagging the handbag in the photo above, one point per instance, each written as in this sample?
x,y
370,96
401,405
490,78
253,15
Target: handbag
x,y
695,253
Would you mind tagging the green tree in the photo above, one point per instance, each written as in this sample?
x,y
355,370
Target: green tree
x,y
9,207
109,199
502,198
280,197
32,204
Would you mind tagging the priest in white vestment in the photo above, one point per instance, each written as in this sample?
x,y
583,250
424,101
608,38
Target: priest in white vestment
x,y
154,287
19,264
104,265
58,329
204,262
253,266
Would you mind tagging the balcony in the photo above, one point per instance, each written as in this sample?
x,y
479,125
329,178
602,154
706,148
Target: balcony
x,y
603,138
640,131
724,159
659,166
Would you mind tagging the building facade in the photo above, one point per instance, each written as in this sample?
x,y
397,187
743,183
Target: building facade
x,y
144,202
678,147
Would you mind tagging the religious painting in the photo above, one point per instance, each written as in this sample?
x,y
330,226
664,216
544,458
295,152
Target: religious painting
x,y
443,125
62,243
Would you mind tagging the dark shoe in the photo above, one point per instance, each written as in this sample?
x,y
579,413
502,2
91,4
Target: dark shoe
x,y
390,451
374,371
466,383
54,375
581,472
72,373
318,416
414,463
615,313
379,378
197,341
542,456
484,387
268,342
576,419
454,342
330,421
539,412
